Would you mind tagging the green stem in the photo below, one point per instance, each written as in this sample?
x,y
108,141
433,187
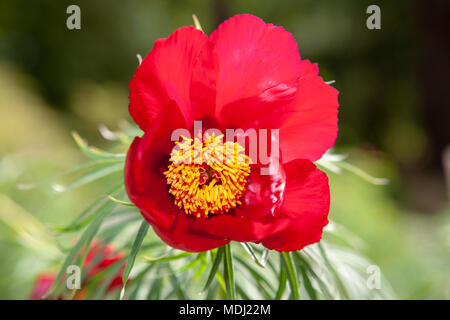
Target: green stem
x,y
291,273
229,274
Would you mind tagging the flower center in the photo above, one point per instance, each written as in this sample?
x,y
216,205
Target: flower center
x,y
207,177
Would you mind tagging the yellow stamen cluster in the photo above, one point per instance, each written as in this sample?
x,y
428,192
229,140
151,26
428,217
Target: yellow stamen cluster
x,y
207,177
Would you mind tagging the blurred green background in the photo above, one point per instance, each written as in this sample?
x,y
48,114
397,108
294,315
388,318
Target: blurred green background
x,y
393,120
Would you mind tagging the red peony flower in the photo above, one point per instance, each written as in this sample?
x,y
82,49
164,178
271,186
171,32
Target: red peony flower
x,y
99,257
246,75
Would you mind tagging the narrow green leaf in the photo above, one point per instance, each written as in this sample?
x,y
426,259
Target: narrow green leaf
x,y
106,280
133,252
155,286
229,273
339,281
93,152
197,24
76,226
302,259
85,240
265,256
214,268
170,258
191,264
137,282
89,177
249,249
124,203
308,285
361,173
202,267
153,244
134,292
92,263
212,292
241,292
117,135
84,166
283,279
176,285
292,274
261,281
221,282
84,218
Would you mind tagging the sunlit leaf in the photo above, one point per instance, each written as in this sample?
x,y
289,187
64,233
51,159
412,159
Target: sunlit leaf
x,y
215,266
260,280
134,251
124,203
248,248
89,177
93,152
71,171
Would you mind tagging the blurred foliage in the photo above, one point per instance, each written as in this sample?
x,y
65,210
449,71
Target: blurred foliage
x,y
53,81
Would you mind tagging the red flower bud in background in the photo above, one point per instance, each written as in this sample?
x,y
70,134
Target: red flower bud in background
x,y
99,257
42,284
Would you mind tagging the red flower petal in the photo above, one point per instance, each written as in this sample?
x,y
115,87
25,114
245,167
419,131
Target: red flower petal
x,y
258,67
181,236
306,203
243,225
248,74
165,75
312,126
147,159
